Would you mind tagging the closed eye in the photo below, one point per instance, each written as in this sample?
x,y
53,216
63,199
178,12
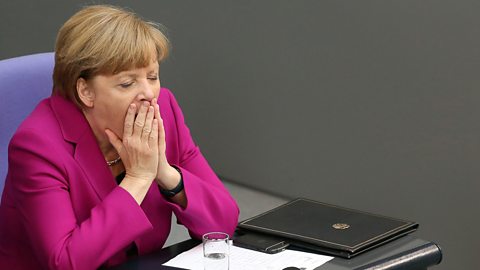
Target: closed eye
x,y
126,85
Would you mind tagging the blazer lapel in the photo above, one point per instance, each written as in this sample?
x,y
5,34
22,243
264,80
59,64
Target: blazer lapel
x,y
88,155
92,162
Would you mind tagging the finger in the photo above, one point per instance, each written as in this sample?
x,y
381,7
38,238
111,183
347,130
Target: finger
x,y
153,137
114,140
161,133
128,125
147,128
157,111
161,130
140,119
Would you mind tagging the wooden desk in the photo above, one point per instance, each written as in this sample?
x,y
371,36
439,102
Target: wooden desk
x,y
405,253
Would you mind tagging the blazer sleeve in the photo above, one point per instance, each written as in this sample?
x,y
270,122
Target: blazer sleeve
x,y
210,206
42,197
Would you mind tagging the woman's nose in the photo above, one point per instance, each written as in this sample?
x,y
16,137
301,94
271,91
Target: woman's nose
x,y
148,92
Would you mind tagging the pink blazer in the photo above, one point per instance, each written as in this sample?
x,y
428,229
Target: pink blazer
x,y
62,209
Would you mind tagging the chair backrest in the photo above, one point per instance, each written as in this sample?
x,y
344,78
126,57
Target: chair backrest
x,y
24,81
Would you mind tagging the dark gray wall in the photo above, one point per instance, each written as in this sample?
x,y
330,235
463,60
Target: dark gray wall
x,y
372,105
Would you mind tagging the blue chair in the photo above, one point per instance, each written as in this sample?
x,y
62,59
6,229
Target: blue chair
x,y
24,81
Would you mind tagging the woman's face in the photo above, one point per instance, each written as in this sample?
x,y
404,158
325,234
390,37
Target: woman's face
x,y
110,96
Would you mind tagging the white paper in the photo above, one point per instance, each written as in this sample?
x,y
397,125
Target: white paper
x,y
246,259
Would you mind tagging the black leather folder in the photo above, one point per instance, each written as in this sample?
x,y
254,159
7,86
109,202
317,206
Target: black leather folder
x,y
327,228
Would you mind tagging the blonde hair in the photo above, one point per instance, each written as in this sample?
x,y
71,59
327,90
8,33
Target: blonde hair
x,y
103,39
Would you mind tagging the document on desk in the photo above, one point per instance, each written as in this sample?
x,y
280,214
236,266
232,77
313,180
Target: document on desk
x,y
246,259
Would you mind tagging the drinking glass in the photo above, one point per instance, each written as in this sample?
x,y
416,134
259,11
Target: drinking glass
x,y
216,251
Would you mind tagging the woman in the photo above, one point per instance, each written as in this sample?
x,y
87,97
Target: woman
x,y
97,169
